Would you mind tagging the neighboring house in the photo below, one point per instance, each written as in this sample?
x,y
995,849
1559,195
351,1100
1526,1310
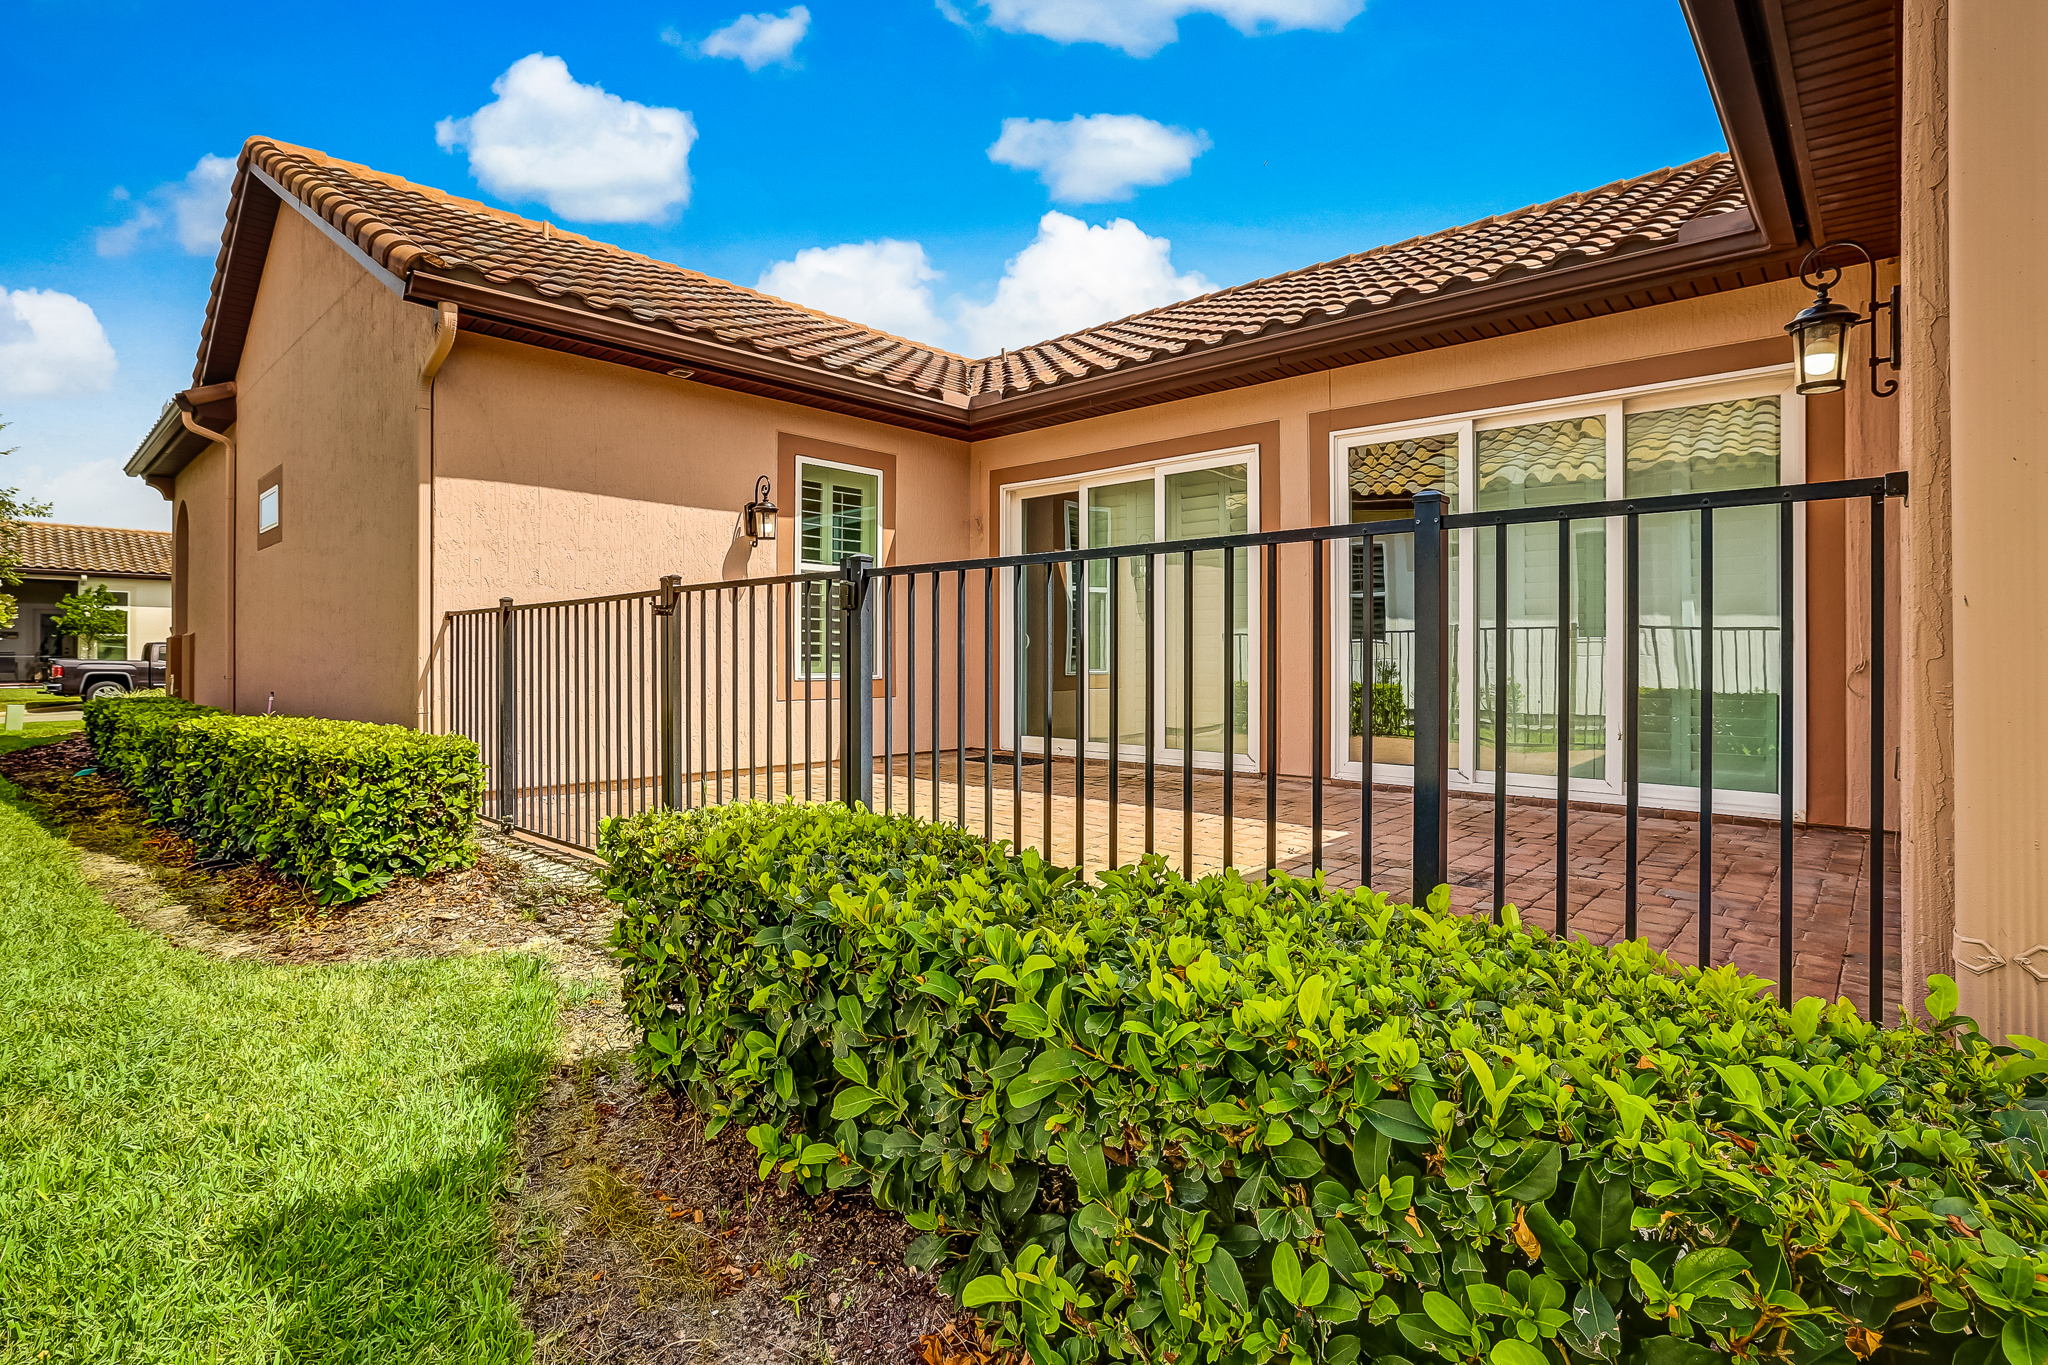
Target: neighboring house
x,y
58,560
408,404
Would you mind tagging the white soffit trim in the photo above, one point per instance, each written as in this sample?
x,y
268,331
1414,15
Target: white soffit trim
x,y
331,233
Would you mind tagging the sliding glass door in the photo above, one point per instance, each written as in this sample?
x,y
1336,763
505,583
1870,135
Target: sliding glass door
x,y
1093,637
1535,683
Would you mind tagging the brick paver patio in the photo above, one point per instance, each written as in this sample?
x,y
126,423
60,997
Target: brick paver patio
x,y
1830,922
1831,907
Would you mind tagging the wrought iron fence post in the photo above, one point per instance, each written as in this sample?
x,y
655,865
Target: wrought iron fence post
x,y
508,738
1432,695
671,684
856,668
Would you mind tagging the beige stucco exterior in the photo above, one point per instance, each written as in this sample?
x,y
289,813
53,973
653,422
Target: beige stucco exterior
x,y
324,621
556,476
1976,736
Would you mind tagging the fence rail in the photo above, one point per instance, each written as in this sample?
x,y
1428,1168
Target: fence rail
x,y
1186,698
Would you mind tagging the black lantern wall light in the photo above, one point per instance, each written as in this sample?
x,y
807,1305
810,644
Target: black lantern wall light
x,y
1820,334
758,516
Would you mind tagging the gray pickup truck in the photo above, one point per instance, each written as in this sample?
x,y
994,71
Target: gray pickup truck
x,y
89,678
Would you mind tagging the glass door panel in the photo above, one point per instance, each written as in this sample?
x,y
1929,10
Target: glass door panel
x,y
1702,448
1543,464
1048,653
1119,613
1201,626
1378,663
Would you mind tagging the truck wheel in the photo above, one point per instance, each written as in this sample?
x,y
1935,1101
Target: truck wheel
x,y
104,687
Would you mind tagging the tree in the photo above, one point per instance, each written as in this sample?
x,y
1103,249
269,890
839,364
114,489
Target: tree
x,y
92,615
14,509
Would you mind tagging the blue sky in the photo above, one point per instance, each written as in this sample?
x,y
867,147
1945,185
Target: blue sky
x,y
838,152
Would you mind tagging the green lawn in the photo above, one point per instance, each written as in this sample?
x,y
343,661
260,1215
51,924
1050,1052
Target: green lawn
x,y
219,1161
32,694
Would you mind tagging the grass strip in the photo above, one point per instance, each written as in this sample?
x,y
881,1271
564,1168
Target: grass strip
x,y
228,1161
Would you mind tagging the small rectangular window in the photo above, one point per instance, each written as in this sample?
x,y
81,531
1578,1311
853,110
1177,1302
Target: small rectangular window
x,y
270,508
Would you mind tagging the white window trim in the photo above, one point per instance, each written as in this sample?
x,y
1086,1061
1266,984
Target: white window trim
x,y
804,462
1614,405
274,495
1014,495
803,672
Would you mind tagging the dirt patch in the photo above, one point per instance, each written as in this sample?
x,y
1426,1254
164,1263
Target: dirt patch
x,y
634,1238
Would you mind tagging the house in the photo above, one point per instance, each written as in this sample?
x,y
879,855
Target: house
x,y
59,560
408,406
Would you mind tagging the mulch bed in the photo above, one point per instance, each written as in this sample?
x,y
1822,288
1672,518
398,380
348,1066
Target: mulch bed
x,y
672,1250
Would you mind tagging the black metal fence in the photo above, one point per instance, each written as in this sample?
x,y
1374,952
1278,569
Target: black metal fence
x,y
1203,699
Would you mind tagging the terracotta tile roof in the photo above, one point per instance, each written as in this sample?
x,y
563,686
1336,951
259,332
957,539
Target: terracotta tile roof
x,y
401,226
54,547
1625,216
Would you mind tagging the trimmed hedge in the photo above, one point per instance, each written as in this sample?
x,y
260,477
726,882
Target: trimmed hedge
x,y
1232,1120
340,806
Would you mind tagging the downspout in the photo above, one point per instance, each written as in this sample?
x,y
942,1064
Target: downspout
x,y
227,444
447,322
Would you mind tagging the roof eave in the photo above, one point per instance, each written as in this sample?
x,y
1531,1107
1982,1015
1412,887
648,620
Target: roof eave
x,y
171,444
61,571
710,362
1733,244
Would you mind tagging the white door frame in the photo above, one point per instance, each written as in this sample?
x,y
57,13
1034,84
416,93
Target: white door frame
x,y
1163,754
1613,405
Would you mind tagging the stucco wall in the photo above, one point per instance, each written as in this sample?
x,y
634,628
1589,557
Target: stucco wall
x,y
200,496
1976,205
326,618
556,476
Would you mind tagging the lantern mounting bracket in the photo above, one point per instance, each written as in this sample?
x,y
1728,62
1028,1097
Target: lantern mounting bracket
x,y
1819,274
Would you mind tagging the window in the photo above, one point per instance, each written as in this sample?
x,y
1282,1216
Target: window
x,y
1736,432
114,646
270,508
839,513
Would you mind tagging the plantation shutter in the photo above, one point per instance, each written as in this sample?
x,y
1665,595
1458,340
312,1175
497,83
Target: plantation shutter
x,y
839,513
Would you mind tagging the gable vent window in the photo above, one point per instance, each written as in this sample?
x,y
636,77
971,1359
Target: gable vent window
x,y
270,509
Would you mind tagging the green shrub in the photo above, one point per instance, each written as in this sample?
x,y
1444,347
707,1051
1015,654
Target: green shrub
x,y
1233,1120
340,806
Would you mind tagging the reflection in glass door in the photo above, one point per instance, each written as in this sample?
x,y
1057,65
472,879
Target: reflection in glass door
x,y
1136,625
1641,445
1049,656
1381,479
1543,464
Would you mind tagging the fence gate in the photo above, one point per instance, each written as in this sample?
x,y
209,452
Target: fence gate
x,y
1387,703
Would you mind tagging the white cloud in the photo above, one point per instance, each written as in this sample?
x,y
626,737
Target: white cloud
x,y
583,152
51,346
1142,27
1072,275
760,39
1094,158
1075,275
191,210
885,284
96,493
